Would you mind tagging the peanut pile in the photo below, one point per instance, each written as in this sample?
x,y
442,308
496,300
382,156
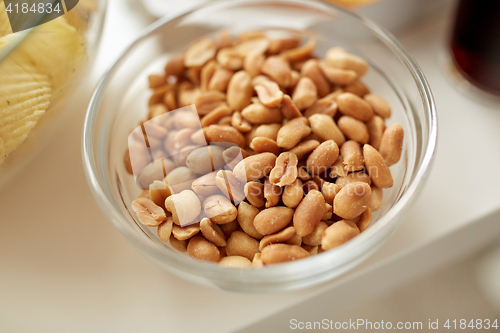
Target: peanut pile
x,y
315,147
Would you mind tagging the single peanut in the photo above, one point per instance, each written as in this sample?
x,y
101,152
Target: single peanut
x,y
292,132
338,76
285,170
337,169
246,216
354,129
254,192
229,228
199,53
253,62
391,144
233,155
220,79
377,196
324,127
326,106
357,88
230,58
276,253
376,167
352,200
184,206
304,148
309,186
241,124
269,93
165,229
279,237
219,209
293,194
148,213
230,186
272,220
240,244
258,113
299,53
278,69
214,116
322,158
314,238
330,190
312,70
305,93
206,159
221,133
272,193
289,109
239,90
207,101
376,128
182,233
205,185
199,248
354,106
352,156
379,105
338,233
179,245
212,232
309,213
159,191
364,220
263,145
340,58
254,167
354,177
235,262
282,44
259,45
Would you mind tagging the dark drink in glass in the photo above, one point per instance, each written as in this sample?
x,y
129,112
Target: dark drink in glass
x,y
475,43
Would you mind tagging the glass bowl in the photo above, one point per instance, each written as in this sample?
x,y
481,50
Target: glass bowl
x,y
120,102
46,63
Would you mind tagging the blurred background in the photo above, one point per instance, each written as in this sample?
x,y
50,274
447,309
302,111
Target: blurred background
x,y
64,267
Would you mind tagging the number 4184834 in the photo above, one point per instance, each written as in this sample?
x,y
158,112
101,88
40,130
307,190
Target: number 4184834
x,y
473,324
35,8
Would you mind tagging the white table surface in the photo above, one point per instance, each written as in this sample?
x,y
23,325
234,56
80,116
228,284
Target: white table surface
x,y
65,268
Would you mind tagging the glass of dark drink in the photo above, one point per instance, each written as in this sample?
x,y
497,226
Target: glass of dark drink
x,y
475,43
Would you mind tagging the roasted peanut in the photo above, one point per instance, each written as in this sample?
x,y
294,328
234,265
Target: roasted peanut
x,y
364,220
354,129
340,58
258,113
292,132
279,237
254,192
391,144
292,194
207,101
187,94
263,145
219,209
259,45
233,155
269,93
230,58
239,90
357,88
322,158
199,53
309,186
338,233
184,206
354,177
314,238
165,230
257,260
180,179
246,216
272,193
289,109
354,106
282,44
376,167
222,133
230,186
148,213
312,70
205,185
376,128
278,69
352,156
253,62
376,201
305,93
338,76
276,253
303,149
241,124
230,227
329,191
379,105
268,131
220,79
179,245
302,171
240,244
199,248
203,160
212,232
324,127
215,115
299,53
337,169
326,106
235,262
175,66
254,167
158,192
272,220
309,213
352,200
285,170
182,233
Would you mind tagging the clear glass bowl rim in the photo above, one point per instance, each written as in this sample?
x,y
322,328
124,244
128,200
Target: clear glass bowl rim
x,y
284,269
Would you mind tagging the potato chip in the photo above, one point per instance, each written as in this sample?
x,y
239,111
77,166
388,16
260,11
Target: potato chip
x,y
5,28
24,96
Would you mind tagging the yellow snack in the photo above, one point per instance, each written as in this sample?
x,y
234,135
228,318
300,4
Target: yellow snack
x,y
24,96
